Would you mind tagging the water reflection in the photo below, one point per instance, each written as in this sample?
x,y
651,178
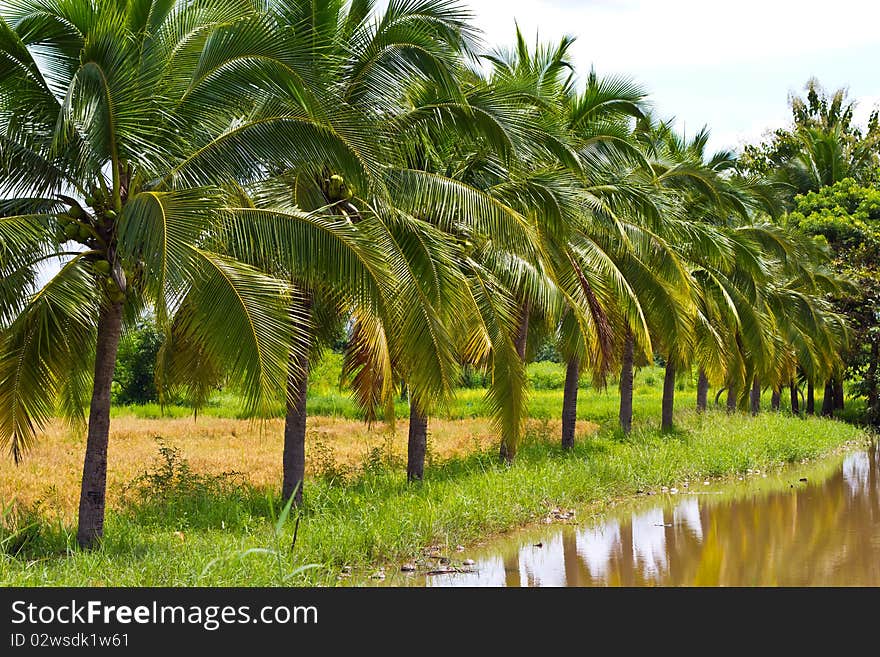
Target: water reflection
x,y
687,516
857,473
825,532
595,547
648,538
544,565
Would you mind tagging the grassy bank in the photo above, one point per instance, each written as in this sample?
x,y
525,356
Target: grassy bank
x,y
177,526
546,381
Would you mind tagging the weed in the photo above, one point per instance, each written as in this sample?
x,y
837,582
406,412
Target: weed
x,y
173,490
384,457
278,551
323,459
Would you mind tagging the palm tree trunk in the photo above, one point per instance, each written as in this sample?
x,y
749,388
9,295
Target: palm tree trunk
x,y
94,478
294,455
569,402
839,401
755,396
668,397
520,342
626,384
871,379
417,445
731,398
828,399
776,399
702,392
811,398
795,399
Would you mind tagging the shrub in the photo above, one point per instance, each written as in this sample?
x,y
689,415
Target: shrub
x,y
172,493
135,376
473,377
546,375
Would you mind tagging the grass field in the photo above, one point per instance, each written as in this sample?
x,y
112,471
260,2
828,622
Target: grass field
x,y
182,523
599,405
546,378
194,501
49,477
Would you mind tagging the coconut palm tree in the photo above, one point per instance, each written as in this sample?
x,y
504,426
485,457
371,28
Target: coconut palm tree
x,y
576,192
353,69
374,66
473,244
456,211
120,140
712,196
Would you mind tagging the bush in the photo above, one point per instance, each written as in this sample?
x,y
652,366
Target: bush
x,y
135,376
546,375
324,373
473,377
548,352
171,493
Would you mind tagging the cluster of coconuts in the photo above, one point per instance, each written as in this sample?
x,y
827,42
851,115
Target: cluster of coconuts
x,y
76,225
337,189
104,272
114,292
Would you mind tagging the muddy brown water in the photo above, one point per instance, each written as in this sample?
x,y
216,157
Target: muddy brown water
x,y
767,530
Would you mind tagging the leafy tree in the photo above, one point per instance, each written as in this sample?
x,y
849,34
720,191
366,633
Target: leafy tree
x,y
135,376
821,146
846,216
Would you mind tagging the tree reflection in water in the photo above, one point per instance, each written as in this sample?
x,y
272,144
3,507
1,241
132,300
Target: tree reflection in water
x,y
820,533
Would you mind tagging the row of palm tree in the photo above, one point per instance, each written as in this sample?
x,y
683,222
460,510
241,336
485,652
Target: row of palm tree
x,y
257,174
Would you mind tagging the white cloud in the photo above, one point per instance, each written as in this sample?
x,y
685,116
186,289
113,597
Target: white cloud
x,y
646,35
725,64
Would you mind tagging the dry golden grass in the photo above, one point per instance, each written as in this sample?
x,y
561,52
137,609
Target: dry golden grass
x,y
50,473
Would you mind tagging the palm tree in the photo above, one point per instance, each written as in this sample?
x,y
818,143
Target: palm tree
x,y
714,198
573,188
372,210
119,140
824,146
456,213
352,69
599,119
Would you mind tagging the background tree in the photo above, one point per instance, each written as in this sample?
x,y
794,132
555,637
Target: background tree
x,y
134,381
821,146
824,149
846,216
118,142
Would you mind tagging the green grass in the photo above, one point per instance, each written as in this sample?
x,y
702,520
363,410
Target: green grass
x,y
546,380
545,399
178,528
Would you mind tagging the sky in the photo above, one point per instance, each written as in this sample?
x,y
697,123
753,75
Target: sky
x,y
729,65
